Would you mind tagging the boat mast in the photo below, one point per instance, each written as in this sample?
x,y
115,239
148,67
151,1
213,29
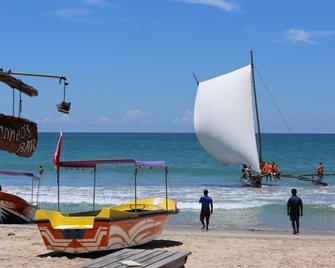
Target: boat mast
x,y
256,106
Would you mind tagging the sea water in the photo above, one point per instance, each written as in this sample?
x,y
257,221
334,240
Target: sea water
x,y
191,170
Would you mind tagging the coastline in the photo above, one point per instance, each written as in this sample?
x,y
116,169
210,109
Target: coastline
x,y
22,246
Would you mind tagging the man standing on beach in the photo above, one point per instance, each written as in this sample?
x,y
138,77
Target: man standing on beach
x,y
206,209
294,210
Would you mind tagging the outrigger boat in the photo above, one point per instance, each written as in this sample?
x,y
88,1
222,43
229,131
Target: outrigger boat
x,y
125,225
224,119
225,115
14,209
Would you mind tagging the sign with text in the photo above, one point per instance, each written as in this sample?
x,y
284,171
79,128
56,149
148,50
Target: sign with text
x,y
18,135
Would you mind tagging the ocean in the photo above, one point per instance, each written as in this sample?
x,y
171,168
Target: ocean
x,y
191,170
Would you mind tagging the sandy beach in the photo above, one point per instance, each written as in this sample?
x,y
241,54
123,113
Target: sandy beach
x,y
22,246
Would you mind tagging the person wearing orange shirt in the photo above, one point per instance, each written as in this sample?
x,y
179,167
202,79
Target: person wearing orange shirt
x,y
266,170
320,171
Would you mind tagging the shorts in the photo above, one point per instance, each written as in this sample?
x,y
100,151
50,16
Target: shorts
x,y
205,215
294,217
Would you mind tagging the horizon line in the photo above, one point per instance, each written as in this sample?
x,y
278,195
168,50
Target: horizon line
x,y
178,132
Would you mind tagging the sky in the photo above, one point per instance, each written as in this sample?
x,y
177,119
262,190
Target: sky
x,y
129,63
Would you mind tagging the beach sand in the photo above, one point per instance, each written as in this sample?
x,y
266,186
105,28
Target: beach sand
x,y
22,246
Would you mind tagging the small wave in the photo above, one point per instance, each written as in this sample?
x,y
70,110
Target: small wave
x,y
225,206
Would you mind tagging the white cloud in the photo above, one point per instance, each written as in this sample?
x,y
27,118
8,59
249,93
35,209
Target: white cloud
x,y
226,5
185,120
95,2
64,119
75,14
104,120
303,36
133,115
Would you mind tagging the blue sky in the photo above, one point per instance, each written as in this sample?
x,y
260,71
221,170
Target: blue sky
x,y
130,62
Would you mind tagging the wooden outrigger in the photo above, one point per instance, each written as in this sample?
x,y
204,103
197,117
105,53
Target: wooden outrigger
x,y
305,178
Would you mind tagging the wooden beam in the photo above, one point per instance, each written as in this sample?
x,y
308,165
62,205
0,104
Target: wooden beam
x,y
17,84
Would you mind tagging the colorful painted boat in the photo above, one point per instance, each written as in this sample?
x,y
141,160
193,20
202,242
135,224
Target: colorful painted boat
x,y
14,209
125,225
105,229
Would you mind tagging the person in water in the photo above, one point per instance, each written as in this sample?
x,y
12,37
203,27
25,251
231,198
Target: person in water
x,y
41,171
246,172
275,171
206,209
294,210
320,170
266,169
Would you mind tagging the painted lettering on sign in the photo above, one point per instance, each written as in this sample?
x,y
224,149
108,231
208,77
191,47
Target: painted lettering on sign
x,y
18,135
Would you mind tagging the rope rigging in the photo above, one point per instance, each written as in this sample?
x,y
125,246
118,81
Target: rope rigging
x,y
274,102
279,111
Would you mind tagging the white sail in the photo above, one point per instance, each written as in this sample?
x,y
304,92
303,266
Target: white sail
x,y
224,118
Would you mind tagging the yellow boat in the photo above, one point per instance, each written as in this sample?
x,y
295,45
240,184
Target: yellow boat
x,y
125,225
109,228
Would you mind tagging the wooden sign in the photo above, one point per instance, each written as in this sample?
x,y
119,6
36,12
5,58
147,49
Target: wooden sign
x,y
18,135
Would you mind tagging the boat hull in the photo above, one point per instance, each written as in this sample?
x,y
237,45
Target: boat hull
x,y
105,235
15,210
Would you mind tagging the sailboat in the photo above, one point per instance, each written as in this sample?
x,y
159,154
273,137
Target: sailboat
x,y
125,225
225,115
13,208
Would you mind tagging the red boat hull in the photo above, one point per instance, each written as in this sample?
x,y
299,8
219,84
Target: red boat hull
x,y
15,210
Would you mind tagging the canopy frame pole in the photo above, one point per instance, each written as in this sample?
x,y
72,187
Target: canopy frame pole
x,y
58,174
166,189
38,191
32,191
94,183
256,107
136,170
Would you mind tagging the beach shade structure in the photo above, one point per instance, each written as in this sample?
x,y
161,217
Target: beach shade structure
x,y
13,82
92,164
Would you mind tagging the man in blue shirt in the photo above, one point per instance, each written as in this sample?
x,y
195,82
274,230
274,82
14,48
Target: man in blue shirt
x,y
294,210
206,209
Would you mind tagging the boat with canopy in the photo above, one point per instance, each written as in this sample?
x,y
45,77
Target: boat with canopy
x,y
13,208
120,226
226,119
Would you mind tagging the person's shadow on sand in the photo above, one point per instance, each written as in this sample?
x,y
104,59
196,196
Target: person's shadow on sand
x,y
160,243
